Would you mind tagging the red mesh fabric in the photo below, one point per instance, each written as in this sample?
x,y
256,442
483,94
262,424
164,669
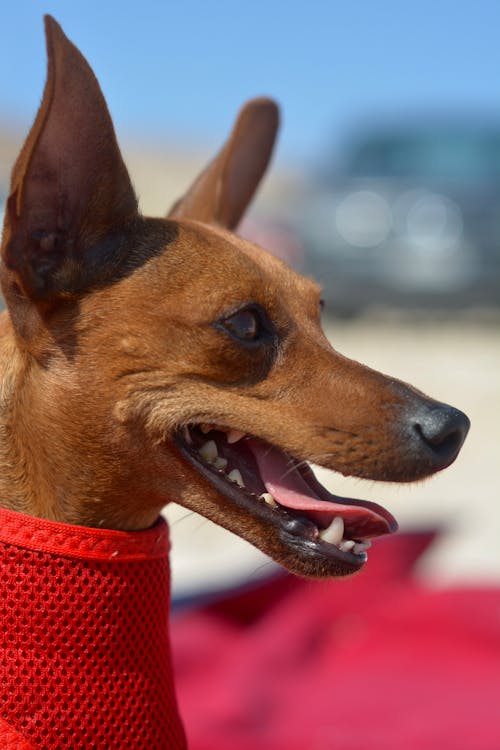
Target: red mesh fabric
x,y
84,650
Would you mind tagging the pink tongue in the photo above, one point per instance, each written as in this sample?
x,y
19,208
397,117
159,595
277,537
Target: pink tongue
x,y
291,490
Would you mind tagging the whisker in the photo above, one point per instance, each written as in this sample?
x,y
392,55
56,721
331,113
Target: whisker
x,y
265,564
188,514
200,525
305,462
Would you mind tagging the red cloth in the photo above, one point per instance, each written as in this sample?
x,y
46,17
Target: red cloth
x,y
84,649
373,662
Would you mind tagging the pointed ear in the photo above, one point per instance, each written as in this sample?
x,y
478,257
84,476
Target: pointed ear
x,y
69,185
223,191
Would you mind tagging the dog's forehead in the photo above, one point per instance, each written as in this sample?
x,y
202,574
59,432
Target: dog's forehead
x,y
257,263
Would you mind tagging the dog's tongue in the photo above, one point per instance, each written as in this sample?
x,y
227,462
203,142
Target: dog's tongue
x,y
290,489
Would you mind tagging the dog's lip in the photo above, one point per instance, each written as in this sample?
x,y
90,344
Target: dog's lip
x,y
295,528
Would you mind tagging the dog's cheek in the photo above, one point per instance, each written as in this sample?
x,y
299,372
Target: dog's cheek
x,y
233,365
214,357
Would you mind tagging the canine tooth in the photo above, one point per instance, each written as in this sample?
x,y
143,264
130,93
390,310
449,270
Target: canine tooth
x,y
346,546
220,463
360,547
206,427
233,436
187,435
269,499
209,451
235,476
334,533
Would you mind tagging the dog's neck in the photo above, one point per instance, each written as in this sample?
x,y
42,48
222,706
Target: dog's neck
x,y
17,491
32,467
53,466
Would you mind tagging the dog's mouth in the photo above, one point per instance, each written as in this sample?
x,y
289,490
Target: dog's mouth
x,y
331,532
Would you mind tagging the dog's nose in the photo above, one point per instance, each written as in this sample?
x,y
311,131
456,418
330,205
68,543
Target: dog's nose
x,y
443,429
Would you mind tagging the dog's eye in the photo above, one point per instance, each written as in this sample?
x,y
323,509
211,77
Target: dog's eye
x,y
248,324
244,325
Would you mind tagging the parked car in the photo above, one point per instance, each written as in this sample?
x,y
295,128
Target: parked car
x,y
412,218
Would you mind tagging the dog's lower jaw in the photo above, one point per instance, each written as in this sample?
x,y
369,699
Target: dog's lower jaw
x,y
289,537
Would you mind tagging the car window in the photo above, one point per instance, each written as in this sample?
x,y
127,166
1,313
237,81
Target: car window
x,y
460,157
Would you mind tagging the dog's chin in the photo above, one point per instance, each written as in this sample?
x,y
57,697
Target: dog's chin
x,y
286,512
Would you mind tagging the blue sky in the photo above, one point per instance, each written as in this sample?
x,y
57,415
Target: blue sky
x,y
181,70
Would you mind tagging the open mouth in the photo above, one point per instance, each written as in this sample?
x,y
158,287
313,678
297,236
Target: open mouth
x,y
284,493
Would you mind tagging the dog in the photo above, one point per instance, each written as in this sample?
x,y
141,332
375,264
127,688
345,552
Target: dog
x,y
145,360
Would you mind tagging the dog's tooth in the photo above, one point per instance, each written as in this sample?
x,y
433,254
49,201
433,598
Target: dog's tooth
x,y
360,547
334,533
269,499
208,451
220,463
346,546
235,476
187,435
233,436
206,427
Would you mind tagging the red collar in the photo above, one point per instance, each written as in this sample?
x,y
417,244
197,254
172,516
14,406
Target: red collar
x,y
84,645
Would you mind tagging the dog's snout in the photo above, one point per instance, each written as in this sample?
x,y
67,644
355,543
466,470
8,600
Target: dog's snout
x,y
443,429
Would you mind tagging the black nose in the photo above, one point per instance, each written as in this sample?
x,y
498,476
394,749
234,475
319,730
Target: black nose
x,y
443,429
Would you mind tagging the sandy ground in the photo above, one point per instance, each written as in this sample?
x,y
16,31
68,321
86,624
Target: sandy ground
x,y
454,361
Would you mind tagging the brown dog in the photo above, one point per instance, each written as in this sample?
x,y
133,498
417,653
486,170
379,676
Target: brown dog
x,y
148,360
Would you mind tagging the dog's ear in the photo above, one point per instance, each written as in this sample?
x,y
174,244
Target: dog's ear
x,y
223,191
70,187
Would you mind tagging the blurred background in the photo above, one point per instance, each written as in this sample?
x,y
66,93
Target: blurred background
x,y
385,187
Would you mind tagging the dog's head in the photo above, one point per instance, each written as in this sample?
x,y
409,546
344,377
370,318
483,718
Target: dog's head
x,y
169,359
